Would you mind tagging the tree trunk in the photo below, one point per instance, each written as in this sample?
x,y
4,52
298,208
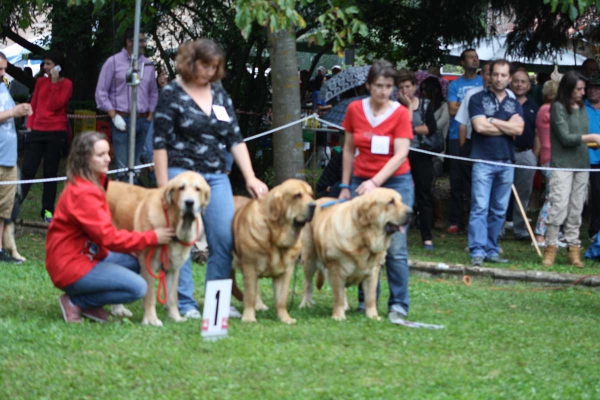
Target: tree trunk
x,y
288,156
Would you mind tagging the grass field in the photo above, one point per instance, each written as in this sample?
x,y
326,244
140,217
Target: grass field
x,y
514,342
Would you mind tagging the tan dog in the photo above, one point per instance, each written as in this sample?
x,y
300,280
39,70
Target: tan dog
x,y
348,243
141,209
266,235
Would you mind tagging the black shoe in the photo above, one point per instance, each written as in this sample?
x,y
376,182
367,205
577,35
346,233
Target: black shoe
x,y
476,261
496,260
7,258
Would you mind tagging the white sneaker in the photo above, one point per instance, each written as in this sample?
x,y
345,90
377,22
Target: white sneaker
x,y
234,313
541,245
508,225
192,314
395,317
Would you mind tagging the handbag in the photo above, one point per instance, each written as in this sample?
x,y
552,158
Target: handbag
x,y
435,140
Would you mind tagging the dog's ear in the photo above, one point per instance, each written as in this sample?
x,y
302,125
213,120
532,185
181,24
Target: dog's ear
x,y
275,206
169,194
204,197
363,212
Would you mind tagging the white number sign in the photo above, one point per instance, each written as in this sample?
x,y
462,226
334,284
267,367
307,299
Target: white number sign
x,y
215,317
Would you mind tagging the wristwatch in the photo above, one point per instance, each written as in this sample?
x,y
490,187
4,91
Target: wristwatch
x,y
490,120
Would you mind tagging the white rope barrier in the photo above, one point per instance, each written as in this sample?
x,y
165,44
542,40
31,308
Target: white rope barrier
x,y
317,118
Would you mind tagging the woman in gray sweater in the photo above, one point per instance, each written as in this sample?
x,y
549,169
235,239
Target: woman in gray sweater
x,y
568,190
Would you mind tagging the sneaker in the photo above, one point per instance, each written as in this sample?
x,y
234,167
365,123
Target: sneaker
x,y
47,216
396,317
476,261
453,229
71,313
428,247
541,245
495,259
234,313
97,314
361,307
7,258
192,314
508,225
561,243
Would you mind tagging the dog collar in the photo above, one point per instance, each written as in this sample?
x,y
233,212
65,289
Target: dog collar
x,y
332,202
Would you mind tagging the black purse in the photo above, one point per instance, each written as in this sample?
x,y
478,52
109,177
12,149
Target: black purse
x,y
435,140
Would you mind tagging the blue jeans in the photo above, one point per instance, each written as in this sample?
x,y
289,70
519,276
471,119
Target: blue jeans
x,y
120,141
490,193
217,225
114,280
396,260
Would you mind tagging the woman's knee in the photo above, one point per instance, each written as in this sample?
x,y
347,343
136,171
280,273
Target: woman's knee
x,y
138,288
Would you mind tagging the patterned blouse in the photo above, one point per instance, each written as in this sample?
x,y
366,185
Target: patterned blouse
x,y
193,140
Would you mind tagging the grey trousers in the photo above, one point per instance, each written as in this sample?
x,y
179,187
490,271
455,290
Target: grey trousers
x,y
568,191
524,185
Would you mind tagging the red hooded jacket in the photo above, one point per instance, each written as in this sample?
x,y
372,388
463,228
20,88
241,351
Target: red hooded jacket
x,y
81,233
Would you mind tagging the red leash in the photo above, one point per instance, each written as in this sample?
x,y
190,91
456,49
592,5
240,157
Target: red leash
x,y
164,260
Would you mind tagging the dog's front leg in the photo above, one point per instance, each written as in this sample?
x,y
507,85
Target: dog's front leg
x,y
309,265
281,287
370,288
250,287
150,317
172,285
338,286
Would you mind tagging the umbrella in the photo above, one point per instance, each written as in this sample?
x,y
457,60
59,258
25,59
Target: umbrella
x,y
420,76
347,79
338,112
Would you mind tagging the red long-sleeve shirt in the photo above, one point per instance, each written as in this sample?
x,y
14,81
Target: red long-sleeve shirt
x,y
49,105
81,234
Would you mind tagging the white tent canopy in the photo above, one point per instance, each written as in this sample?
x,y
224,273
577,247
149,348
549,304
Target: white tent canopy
x,y
15,55
494,47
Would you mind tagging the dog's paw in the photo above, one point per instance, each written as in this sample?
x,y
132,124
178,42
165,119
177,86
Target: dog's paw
x,y
248,318
178,318
261,307
307,303
152,321
339,317
374,316
119,310
289,320
18,257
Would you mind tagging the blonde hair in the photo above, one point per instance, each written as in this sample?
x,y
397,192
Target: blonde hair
x,y
549,90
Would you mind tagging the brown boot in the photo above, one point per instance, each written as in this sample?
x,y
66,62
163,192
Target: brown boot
x,y
574,256
549,256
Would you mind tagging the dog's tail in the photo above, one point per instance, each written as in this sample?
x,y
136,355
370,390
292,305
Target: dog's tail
x,y
320,279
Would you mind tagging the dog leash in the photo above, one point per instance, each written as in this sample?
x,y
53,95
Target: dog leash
x,y
164,260
332,202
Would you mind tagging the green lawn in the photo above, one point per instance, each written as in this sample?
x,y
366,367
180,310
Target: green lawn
x,y
513,343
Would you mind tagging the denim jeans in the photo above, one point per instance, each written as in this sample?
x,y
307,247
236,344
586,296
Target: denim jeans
x,y
217,225
490,193
396,260
114,280
120,141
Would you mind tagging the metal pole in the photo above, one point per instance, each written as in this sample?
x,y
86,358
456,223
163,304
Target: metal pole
x,y
134,82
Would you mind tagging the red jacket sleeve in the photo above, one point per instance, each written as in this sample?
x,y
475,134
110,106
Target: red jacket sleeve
x,y
34,102
95,220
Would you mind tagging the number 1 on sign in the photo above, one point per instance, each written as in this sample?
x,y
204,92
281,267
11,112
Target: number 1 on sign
x,y
215,317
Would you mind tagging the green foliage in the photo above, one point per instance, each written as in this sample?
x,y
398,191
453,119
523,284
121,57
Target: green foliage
x,y
574,8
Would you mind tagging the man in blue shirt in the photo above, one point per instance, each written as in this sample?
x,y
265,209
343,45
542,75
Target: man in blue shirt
x,y
592,105
496,119
456,93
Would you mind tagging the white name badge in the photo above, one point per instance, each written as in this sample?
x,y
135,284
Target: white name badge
x,y
380,144
221,113
215,316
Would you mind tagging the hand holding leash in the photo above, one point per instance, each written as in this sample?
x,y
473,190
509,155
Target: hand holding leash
x,y
119,122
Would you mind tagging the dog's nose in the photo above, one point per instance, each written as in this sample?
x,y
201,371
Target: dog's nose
x,y
189,203
408,215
